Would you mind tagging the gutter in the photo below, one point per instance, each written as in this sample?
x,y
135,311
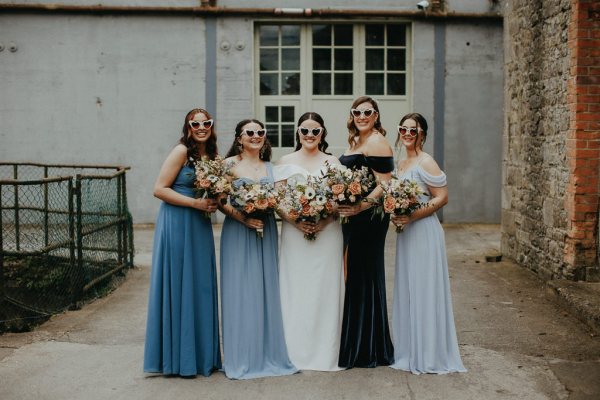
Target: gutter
x,y
230,11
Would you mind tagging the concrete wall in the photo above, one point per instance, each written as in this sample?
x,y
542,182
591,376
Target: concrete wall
x,y
114,90
100,90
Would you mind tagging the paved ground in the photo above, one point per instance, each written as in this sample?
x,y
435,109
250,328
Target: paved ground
x,y
516,342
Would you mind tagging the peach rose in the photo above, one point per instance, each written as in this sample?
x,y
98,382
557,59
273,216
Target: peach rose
x,y
389,204
303,200
204,183
329,206
262,204
306,209
249,207
354,188
272,202
294,214
337,188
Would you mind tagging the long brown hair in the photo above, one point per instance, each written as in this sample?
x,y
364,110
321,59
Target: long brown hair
x,y
352,130
236,146
318,119
193,148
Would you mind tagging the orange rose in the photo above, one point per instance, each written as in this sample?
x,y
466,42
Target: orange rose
x,y
303,200
306,210
354,188
262,204
337,188
249,207
272,202
389,204
294,214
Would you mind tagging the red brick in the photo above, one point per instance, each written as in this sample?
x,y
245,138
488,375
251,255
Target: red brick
x,y
588,43
589,208
588,79
591,71
589,99
588,116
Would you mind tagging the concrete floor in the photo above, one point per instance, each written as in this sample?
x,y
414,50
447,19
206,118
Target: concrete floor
x,y
516,342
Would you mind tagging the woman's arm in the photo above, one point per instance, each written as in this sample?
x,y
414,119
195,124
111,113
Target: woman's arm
x,y
167,175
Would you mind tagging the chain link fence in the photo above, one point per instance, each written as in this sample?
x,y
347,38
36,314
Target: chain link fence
x,y
66,229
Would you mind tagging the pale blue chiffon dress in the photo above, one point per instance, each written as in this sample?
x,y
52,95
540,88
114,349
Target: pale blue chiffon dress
x,y
182,331
253,338
423,323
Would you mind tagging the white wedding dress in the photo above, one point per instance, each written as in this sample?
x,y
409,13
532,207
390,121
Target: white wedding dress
x,y
311,281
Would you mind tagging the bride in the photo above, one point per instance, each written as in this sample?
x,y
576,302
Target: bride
x,y
311,276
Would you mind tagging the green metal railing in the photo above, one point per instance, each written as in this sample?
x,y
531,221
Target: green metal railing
x,y
65,229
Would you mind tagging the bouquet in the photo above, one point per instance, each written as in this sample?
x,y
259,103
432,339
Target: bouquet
x,y
306,201
348,186
400,197
255,200
211,179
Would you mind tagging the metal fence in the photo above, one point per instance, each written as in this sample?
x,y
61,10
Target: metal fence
x,y
65,229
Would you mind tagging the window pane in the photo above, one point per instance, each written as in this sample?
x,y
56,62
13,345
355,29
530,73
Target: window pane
x,y
396,59
287,114
396,84
290,35
271,115
343,59
321,35
322,59
374,35
374,59
343,35
273,134
343,83
290,59
269,59
290,83
268,84
269,35
374,83
396,35
321,84
287,135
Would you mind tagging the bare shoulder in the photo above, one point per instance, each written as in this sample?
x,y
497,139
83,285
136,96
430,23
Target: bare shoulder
x,y
332,160
286,159
377,145
430,166
178,155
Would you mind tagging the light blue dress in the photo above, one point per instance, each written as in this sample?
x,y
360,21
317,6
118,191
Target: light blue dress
x,y
182,332
423,323
253,338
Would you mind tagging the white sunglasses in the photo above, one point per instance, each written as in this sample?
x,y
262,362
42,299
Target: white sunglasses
x,y
195,125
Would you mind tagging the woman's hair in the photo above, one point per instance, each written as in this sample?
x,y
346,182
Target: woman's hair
x,y
236,146
191,144
352,130
421,123
318,119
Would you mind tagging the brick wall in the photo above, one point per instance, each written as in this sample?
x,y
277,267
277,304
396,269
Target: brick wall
x,y
583,141
551,147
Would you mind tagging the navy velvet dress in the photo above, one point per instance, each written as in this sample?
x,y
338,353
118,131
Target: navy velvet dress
x,y
366,338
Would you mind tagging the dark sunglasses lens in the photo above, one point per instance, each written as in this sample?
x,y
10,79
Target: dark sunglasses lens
x,y
356,113
304,131
316,131
207,124
368,113
195,124
260,132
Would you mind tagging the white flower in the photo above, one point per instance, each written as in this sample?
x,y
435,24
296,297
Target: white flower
x,y
309,193
320,200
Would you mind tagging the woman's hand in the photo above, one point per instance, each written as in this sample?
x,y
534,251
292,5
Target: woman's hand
x,y
305,227
349,210
401,220
208,205
254,223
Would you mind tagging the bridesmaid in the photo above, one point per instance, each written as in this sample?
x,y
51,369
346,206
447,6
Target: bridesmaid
x,y
311,272
253,339
182,333
365,330
424,332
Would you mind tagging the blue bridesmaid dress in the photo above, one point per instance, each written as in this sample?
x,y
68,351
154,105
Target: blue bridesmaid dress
x,y
253,338
182,332
423,323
